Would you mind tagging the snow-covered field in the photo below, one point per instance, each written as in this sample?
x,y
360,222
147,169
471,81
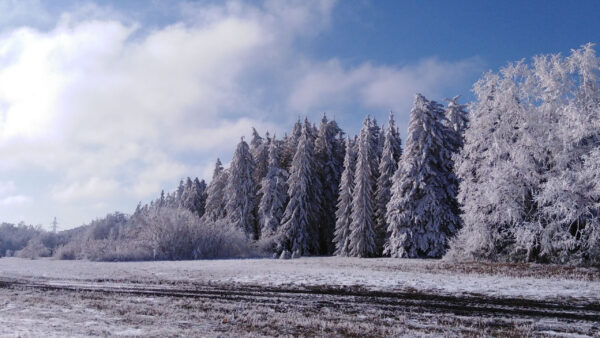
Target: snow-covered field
x,y
263,296
532,282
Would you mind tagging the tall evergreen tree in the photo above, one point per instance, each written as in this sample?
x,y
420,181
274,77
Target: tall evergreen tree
x,y
457,119
298,231
193,197
392,149
343,213
259,148
362,234
215,194
377,147
290,143
422,213
330,167
240,194
274,195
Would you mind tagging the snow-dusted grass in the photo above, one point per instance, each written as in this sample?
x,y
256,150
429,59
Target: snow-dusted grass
x,y
545,282
27,313
31,311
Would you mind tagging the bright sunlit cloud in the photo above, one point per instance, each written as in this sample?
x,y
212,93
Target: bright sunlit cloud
x,y
106,110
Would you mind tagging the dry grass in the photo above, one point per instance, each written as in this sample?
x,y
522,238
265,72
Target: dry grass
x,y
56,313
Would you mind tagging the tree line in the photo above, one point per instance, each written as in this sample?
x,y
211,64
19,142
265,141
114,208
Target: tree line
x,y
513,179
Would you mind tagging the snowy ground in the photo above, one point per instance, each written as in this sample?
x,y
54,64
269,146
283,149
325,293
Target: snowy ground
x,y
307,296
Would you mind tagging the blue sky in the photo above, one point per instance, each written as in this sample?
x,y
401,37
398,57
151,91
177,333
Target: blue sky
x,y
103,104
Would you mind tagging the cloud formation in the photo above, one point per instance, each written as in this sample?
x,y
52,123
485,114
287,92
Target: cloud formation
x,y
109,111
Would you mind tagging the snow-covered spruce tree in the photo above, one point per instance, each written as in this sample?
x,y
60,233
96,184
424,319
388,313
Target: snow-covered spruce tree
x,y
274,195
330,166
215,194
298,232
194,196
392,149
377,147
240,194
362,234
343,212
290,143
457,119
423,213
259,148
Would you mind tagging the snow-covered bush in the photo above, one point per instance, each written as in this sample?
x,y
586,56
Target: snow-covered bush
x,y
179,234
34,249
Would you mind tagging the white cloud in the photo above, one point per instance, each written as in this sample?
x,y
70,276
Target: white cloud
x,y
112,111
95,188
7,187
15,200
330,84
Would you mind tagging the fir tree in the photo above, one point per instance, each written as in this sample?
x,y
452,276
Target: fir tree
x,y
376,146
193,197
362,235
290,143
274,195
457,119
240,192
392,149
422,213
259,148
344,206
298,231
215,194
330,168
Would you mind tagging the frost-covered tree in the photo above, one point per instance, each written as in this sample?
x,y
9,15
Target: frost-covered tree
x,y
527,167
392,149
240,194
259,148
422,213
457,119
298,232
290,143
362,234
193,197
274,195
329,160
215,194
376,145
568,229
343,212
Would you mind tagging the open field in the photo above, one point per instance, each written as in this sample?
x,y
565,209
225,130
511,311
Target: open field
x,y
308,296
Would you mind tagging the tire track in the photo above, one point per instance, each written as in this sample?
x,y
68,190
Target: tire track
x,y
340,298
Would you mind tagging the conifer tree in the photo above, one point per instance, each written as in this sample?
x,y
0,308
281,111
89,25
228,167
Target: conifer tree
x,y
274,195
377,147
193,197
422,213
362,234
215,194
392,149
457,119
290,143
240,194
298,231
343,213
329,168
259,148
